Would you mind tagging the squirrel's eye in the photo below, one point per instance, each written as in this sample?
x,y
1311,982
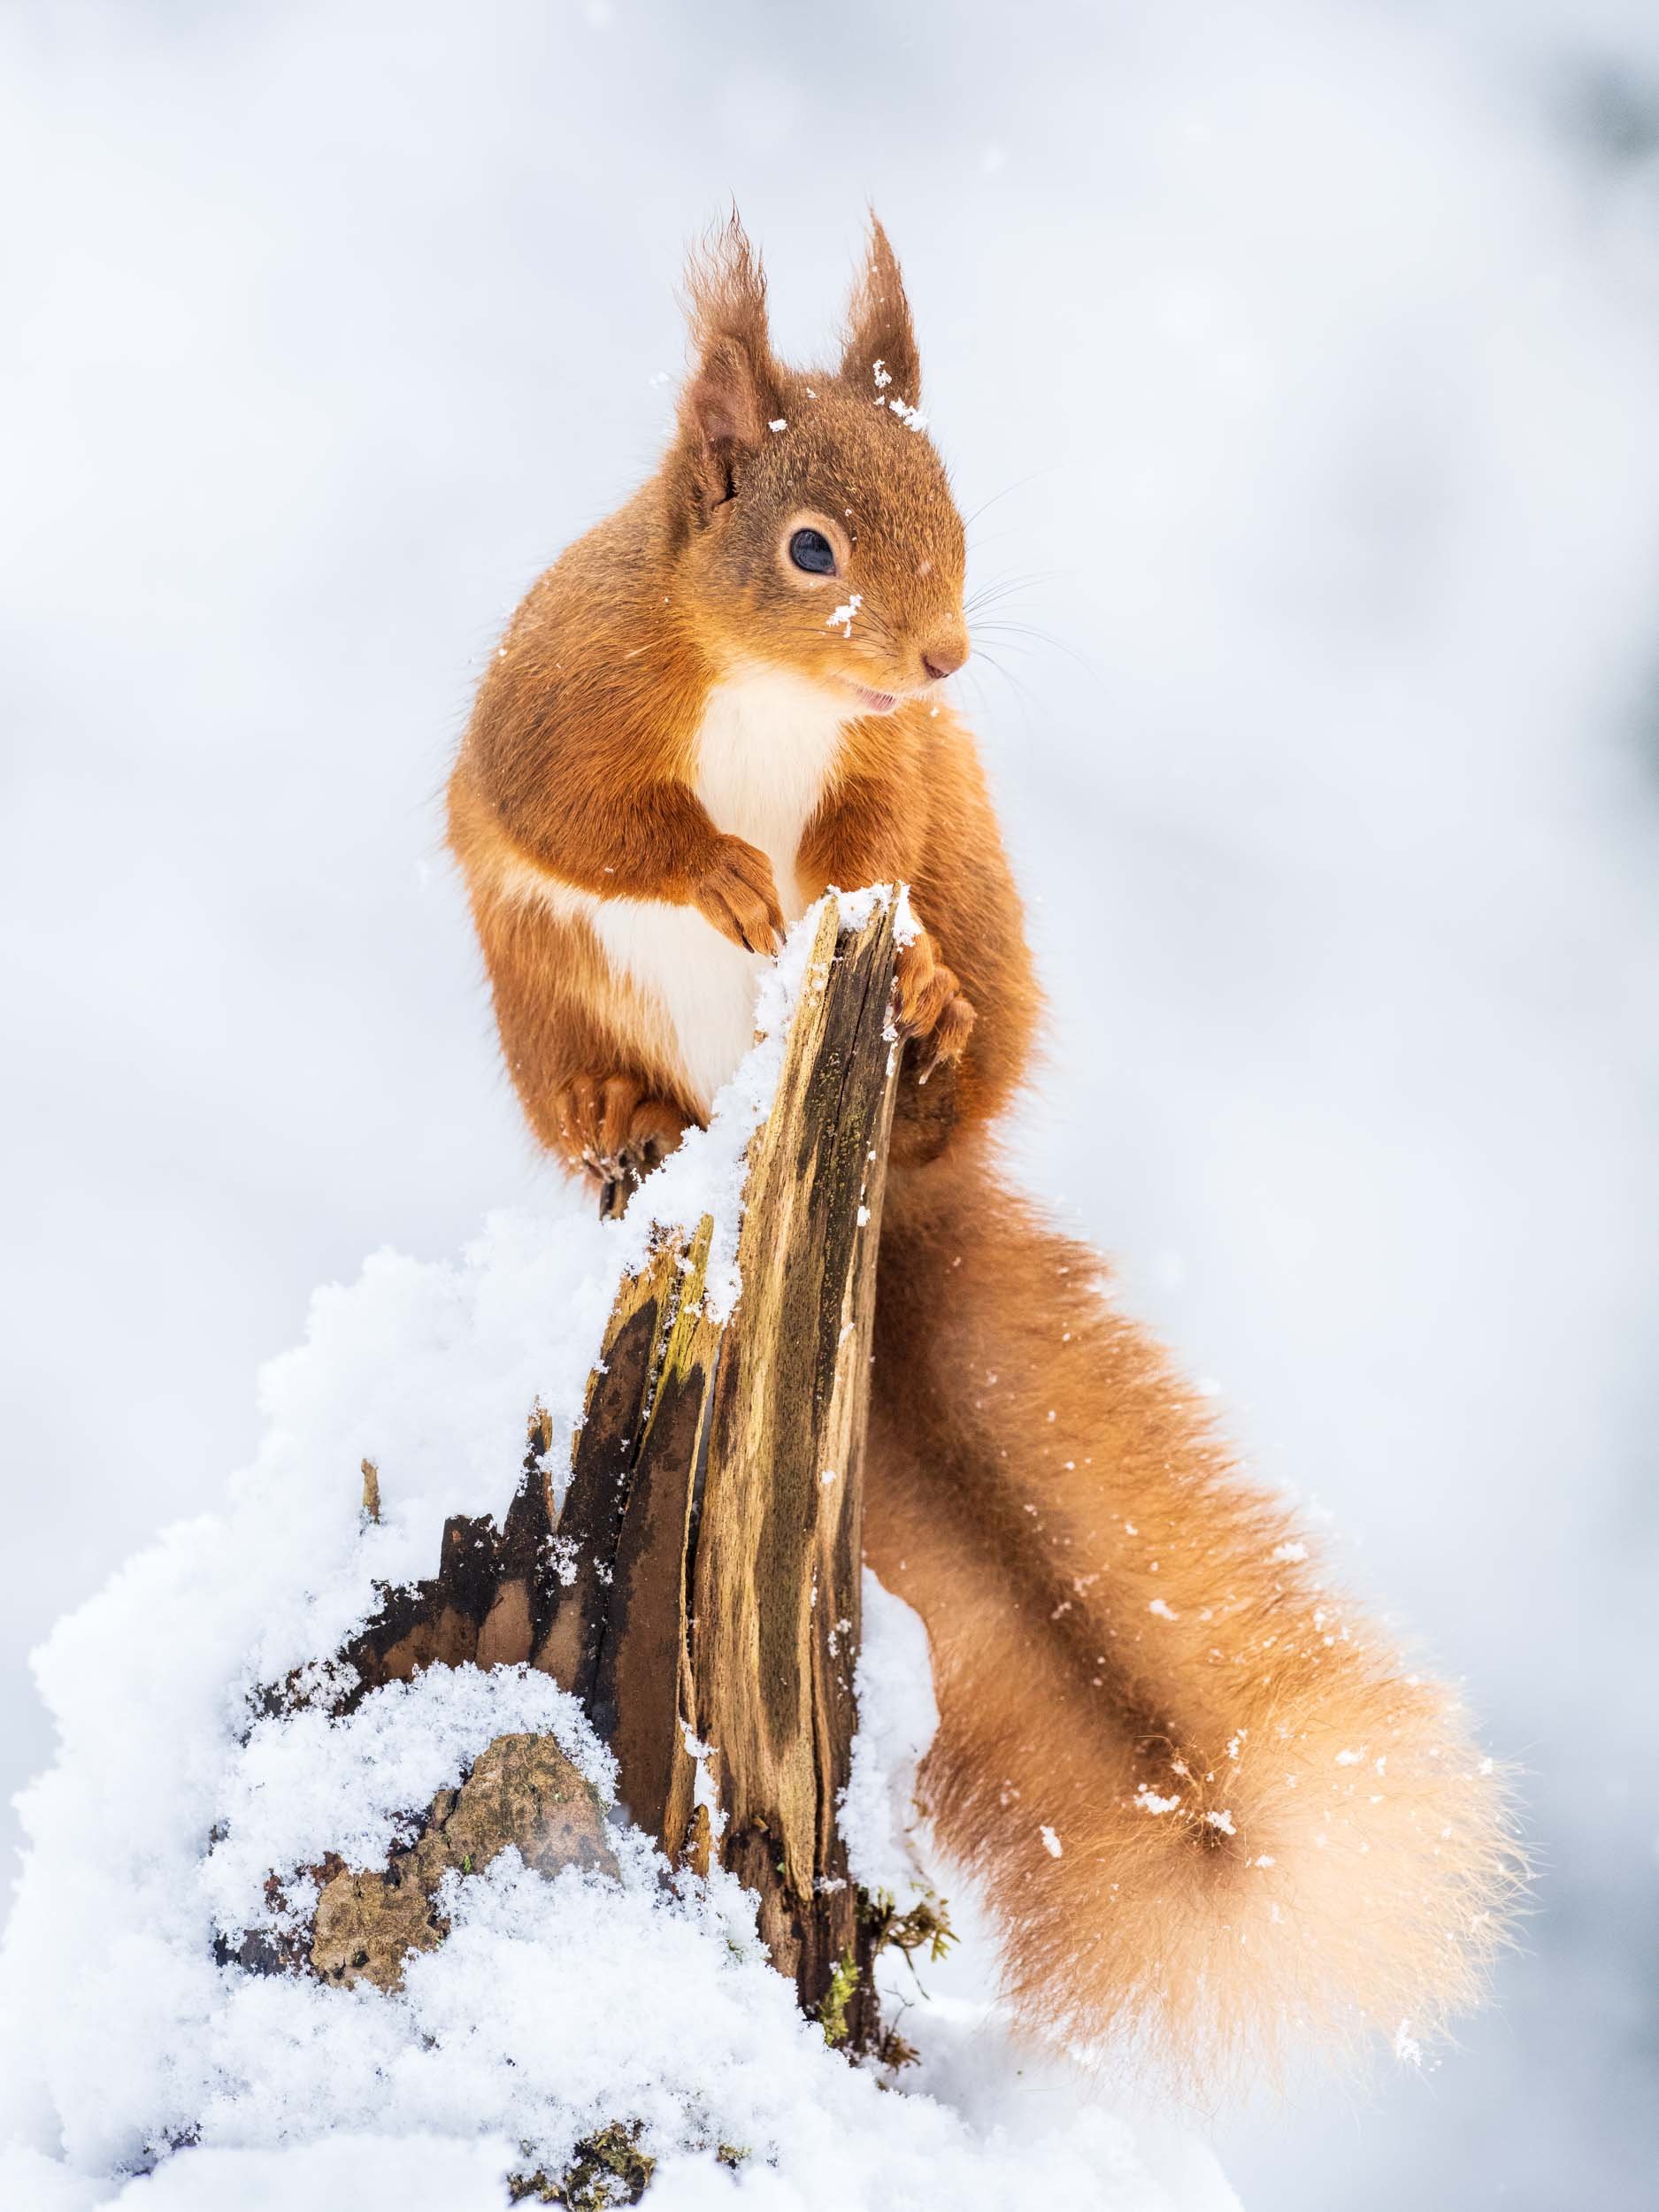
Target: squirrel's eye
x,y
811,551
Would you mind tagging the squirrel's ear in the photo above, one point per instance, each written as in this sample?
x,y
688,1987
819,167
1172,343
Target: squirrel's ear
x,y
878,328
732,393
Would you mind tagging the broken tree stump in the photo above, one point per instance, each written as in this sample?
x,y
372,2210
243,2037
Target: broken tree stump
x,y
699,1588
716,1497
776,1616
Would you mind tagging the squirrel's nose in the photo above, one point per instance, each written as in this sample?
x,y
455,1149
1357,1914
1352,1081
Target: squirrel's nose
x,y
944,657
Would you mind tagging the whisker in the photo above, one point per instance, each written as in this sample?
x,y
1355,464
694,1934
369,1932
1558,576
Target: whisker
x,y
1001,587
1026,697
997,537
1015,631
1019,485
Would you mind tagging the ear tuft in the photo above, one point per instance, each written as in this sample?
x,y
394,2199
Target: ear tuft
x,y
879,326
732,393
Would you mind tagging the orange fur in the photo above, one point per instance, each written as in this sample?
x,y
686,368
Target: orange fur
x,y
1266,1822
1256,1816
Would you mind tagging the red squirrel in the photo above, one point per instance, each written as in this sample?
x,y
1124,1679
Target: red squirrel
x,y
1207,1802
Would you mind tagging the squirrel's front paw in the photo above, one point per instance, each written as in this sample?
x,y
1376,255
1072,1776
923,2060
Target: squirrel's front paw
x,y
928,1004
738,893
612,1130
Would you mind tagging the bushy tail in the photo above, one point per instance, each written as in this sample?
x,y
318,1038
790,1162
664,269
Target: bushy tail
x,y
1212,1807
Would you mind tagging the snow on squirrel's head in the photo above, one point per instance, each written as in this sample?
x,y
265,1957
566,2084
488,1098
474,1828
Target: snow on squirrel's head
x,y
813,519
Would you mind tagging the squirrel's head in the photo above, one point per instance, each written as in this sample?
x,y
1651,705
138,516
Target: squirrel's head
x,y
814,517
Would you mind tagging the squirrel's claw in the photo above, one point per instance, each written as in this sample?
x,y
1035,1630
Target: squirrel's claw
x,y
928,1004
738,893
950,1037
613,1130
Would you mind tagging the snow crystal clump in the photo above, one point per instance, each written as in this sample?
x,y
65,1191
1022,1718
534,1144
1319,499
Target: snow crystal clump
x,y
304,1785
897,1718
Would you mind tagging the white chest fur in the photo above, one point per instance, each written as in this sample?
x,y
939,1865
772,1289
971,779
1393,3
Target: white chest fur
x,y
766,750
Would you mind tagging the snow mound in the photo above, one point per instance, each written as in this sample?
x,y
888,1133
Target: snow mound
x,y
138,2071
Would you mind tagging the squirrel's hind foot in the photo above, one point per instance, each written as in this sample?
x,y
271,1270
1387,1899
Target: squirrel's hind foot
x,y
613,1132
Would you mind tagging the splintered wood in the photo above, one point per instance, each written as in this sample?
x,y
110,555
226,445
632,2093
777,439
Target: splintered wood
x,y
699,1590
716,1498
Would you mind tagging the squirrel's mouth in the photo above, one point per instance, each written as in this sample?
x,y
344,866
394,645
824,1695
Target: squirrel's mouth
x,y
873,701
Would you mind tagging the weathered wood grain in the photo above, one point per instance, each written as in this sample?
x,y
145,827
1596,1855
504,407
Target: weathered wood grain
x,y
776,1612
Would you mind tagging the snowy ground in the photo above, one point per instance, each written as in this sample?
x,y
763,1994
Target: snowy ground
x,y
135,2071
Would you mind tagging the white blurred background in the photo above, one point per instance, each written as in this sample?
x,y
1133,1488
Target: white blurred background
x,y
1304,361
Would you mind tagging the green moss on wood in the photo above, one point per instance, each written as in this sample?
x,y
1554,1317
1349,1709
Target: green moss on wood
x,y
832,2013
608,2169
924,1927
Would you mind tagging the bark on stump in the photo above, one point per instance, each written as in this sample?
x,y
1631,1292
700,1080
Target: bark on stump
x,y
700,1589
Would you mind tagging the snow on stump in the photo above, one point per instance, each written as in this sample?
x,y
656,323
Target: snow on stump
x,y
699,1589
523,1793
